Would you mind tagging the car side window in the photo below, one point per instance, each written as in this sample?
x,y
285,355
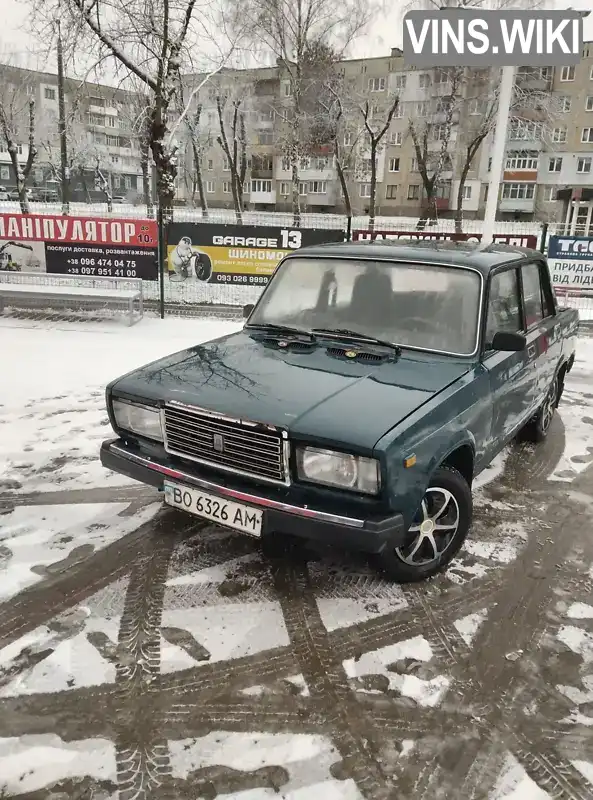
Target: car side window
x,y
504,308
532,294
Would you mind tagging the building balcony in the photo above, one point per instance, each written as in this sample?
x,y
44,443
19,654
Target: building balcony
x,y
509,204
520,176
267,198
441,203
328,198
262,173
532,82
524,144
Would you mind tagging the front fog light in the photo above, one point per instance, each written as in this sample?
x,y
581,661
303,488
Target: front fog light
x,y
341,470
138,419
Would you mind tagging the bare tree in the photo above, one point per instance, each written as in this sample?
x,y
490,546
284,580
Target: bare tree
x,y
150,42
199,140
343,142
17,125
305,36
376,121
233,143
103,184
432,135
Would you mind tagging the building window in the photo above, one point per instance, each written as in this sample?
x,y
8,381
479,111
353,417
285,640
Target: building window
x,y
210,187
303,189
5,173
365,190
116,181
317,187
518,191
399,81
440,132
128,182
522,160
110,122
321,163
399,111
285,188
589,103
564,104
414,165
587,135
265,137
95,119
305,163
377,84
555,165
394,165
347,139
115,159
210,164
39,175
285,164
467,192
49,94
525,131
424,80
225,164
559,135
475,106
226,187
567,73
112,141
584,165
395,137
413,191
286,89
261,186
591,74
489,164
550,194
441,76
391,192
423,108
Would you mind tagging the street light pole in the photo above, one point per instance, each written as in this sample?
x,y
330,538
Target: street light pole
x,y
505,98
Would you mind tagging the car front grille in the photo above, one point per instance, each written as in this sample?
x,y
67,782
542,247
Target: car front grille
x,y
246,448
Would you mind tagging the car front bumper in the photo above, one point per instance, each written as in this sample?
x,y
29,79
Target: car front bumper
x,y
348,532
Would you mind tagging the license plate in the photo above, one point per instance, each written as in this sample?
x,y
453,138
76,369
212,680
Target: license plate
x,y
246,519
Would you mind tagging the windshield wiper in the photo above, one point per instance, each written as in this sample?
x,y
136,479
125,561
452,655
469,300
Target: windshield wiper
x,y
279,329
356,336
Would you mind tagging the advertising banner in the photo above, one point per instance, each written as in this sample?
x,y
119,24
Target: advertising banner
x,y
512,239
235,254
118,248
570,259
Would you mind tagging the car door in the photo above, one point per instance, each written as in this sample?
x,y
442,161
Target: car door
x,y
540,326
512,375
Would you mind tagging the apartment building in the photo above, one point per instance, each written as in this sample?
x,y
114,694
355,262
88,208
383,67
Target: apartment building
x,y
549,142
100,132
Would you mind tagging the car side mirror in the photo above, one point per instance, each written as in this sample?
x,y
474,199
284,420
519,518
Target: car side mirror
x,y
248,309
508,342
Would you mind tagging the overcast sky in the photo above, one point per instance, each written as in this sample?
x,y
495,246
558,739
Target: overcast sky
x,y
17,46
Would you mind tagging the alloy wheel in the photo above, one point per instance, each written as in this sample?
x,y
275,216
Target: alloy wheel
x,y
433,529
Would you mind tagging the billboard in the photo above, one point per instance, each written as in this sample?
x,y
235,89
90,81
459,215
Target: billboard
x,y
235,254
512,239
64,245
570,259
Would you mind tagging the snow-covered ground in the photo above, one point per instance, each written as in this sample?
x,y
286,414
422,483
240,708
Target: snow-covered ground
x,y
52,420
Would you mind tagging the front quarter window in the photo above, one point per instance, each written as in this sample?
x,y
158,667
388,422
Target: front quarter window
x,y
416,305
504,305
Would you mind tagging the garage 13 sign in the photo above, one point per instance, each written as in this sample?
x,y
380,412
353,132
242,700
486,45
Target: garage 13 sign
x,y
570,259
238,254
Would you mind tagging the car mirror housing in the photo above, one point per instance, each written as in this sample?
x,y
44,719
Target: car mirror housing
x,y
247,310
509,342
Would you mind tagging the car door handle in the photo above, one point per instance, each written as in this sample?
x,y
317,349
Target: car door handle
x,y
531,351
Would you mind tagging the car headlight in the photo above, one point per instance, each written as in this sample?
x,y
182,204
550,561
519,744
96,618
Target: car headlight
x,y
341,470
138,419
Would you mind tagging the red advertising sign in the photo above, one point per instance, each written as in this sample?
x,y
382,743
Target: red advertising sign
x,y
515,240
87,246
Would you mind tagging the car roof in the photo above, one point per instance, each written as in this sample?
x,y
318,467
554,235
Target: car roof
x,y
484,258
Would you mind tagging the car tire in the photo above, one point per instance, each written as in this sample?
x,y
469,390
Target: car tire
x,y
448,498
203,269
537,429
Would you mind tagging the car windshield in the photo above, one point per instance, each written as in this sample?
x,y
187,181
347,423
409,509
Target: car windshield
x,y
422,306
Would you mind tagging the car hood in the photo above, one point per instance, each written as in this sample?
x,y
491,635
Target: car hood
x,y
314,395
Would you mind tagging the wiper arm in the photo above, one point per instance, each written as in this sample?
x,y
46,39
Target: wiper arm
x,y
356,335
280,329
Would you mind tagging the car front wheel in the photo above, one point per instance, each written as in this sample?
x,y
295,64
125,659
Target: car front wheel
x,y
436,533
